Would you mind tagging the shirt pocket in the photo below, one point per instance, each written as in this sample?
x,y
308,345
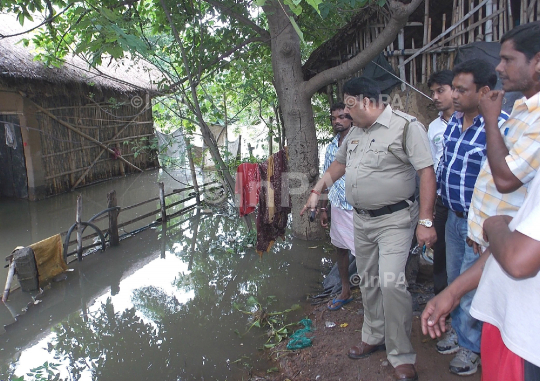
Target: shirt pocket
x,y
351,153
375,156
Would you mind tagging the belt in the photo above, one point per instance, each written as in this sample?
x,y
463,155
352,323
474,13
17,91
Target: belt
x,y
388,209
461,214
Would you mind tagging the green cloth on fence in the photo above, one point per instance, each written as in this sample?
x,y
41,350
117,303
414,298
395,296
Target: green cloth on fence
x,y
298,339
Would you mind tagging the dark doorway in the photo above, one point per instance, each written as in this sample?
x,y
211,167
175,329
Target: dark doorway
x,y
13,181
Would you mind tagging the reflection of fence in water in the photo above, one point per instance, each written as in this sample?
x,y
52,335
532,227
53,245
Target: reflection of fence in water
x,y
113,211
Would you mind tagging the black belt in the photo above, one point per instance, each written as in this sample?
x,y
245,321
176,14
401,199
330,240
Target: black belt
x,y
461,214
388,209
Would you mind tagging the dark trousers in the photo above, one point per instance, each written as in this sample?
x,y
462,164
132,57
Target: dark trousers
x,y
440,280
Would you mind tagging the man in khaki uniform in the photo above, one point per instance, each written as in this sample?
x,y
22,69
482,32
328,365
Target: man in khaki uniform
x,y
380,168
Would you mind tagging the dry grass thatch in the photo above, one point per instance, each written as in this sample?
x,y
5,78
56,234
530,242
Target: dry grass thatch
x,y
17,63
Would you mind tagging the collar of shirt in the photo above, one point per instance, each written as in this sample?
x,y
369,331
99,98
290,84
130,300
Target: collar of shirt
x,y
533,102
384,118
457,121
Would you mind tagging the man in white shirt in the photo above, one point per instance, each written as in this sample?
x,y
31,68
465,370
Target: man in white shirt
x,y
440,84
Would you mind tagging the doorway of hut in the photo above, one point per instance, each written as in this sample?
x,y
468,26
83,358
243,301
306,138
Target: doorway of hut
x,y
13,180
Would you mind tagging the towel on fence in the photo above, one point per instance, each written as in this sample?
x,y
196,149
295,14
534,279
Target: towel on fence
x,y
274,201
247,187
49,258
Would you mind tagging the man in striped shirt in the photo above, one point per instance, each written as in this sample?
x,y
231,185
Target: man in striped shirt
x,y
463,156
341,229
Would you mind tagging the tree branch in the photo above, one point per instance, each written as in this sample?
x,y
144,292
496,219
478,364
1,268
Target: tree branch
x,y
242,19
46,21
399,14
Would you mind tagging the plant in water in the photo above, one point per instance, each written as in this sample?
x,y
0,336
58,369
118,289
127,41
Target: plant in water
x,y
260,317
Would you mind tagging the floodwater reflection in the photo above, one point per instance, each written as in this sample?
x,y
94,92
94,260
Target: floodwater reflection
x,y
161,306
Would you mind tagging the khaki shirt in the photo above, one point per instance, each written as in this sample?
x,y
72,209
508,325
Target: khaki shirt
x,y
378,172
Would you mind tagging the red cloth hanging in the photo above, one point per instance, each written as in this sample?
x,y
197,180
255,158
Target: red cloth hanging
x,y
247,187
274,207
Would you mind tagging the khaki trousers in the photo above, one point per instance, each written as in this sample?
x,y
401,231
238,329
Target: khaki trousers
x,y
382,247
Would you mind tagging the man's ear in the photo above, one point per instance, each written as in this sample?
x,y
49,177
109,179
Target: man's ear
x,y
536,60
484,90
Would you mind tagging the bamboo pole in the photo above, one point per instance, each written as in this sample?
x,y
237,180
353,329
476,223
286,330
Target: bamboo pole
x,y
74,129
412,72
510,15
162,202
401,46
426,21
428,66
113,218
471,31
79,228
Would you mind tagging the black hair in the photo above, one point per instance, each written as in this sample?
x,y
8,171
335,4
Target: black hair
x,y
483,72
526,38
365,87
443,77
337,106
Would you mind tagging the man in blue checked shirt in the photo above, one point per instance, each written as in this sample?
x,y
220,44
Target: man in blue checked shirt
x,y
463,156
341,228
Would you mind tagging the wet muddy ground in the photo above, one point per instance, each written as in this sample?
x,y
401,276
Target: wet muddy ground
x,y
327,358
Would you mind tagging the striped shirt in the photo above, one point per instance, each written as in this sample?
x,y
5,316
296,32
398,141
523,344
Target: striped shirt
x,y
521,135
336,194
463,156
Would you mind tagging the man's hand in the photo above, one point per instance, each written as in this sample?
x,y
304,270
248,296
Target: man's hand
x,y
490,105
477,248
323,218
437,309
425,236
311,203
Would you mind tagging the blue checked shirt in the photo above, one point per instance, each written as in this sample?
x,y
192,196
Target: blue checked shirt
x,y
463,156
336,194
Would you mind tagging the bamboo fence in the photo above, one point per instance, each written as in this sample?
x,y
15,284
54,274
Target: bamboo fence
x,y
429,41
84,141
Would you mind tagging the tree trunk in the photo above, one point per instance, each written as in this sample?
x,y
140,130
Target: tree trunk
x,y
297,117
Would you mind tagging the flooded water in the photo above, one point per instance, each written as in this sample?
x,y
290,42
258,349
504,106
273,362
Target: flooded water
x,y
163,305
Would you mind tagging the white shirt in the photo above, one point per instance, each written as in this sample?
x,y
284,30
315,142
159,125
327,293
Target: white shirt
x,y
436,139
513,305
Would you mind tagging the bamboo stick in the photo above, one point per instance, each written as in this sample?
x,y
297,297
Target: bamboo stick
x,y
471,32
428,68
79,228
412,72
425,39
57,175
510,15
401,46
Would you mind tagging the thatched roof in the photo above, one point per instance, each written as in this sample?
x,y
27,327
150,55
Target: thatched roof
x,y
17,63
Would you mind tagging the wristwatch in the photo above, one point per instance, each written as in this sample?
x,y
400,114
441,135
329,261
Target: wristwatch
x,y
427,223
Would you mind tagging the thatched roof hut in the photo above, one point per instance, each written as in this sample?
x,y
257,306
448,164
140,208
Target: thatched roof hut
x,y
69,126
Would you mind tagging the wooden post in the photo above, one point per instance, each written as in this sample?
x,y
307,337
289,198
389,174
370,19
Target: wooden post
x,y
113,219
162,202
78,219
401,47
